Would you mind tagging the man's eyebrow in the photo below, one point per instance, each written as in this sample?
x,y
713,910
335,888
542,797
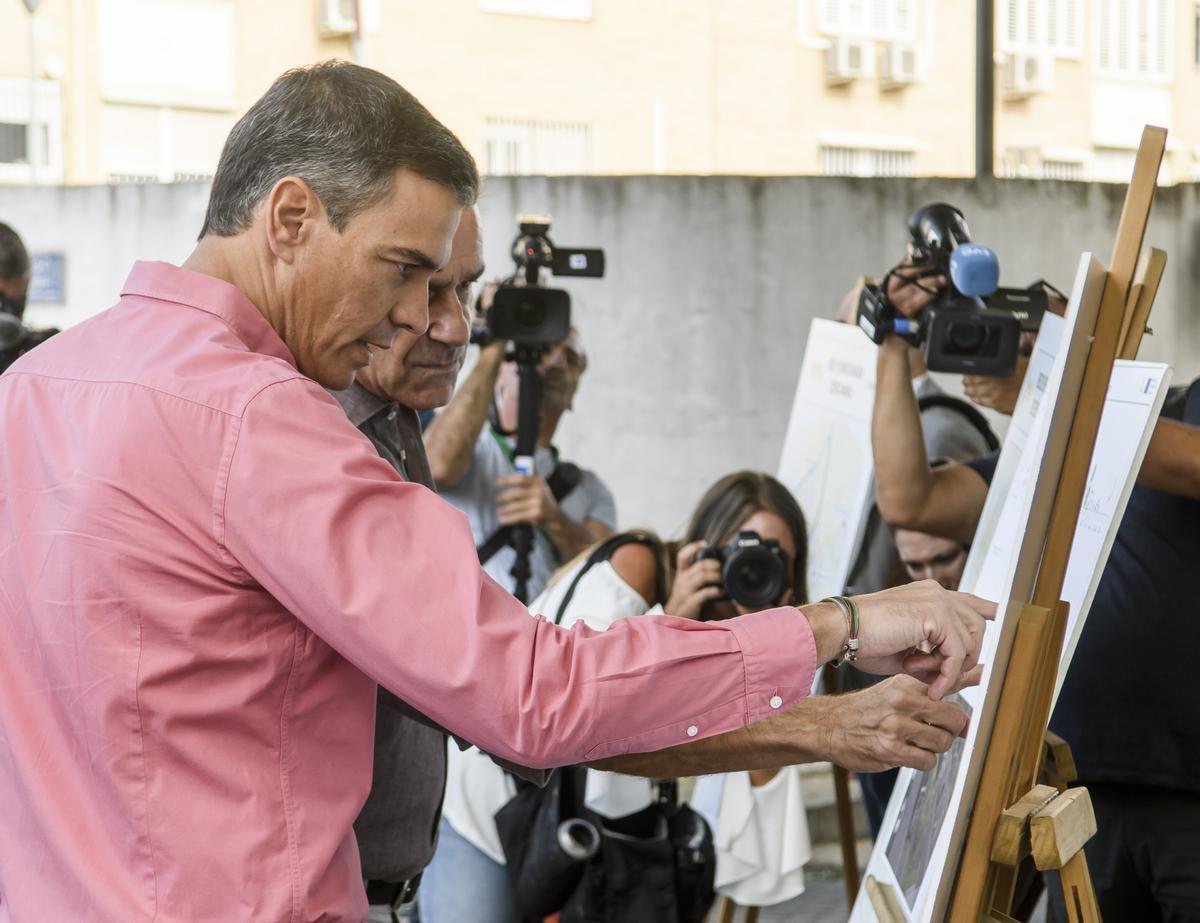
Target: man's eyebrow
x,y
439,285
416,257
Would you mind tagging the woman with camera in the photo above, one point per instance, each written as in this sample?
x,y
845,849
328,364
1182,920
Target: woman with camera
x,y
745,549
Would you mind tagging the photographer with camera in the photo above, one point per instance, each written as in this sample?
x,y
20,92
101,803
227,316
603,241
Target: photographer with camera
x,y
745,549
473,454
1134,729
15,338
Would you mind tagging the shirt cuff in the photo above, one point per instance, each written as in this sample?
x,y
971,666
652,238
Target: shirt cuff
x,y
780,657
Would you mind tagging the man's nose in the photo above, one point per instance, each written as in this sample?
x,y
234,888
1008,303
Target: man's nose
x,y
555,358
411,312
449,323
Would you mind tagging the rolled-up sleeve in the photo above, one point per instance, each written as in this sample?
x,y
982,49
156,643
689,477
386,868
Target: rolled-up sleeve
x,y
386,573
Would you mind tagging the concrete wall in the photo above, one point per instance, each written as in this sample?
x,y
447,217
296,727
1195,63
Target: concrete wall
x,y
696,335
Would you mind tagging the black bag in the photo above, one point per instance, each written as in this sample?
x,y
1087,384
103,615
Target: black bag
x,y
534,827
655,866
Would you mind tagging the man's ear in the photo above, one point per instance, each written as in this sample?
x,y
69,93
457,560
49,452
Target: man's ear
x,y
290,214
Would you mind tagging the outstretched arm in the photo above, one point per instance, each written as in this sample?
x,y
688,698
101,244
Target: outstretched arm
x,y
451,435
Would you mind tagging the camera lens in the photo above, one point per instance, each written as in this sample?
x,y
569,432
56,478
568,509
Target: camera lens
x,y
529,313
965,336
754,576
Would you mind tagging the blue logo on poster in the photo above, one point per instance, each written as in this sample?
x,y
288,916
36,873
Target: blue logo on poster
x,y
48,278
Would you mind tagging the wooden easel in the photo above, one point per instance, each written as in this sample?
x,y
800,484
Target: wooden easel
x,y
984,888
1012,817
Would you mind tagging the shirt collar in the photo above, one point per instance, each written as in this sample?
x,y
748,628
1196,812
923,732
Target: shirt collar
x,y
360,404
166,282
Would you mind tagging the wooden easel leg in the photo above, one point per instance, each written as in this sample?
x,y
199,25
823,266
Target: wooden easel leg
x,y
1078,893
845,813
725,912
751,915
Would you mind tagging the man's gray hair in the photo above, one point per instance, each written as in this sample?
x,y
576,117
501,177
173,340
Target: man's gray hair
x,y
343,129
14,258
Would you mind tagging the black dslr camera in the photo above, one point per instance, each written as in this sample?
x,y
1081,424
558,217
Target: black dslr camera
x,y
973,327
753,569
525,312
15,338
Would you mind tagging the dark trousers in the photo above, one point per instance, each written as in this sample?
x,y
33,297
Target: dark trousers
x,y
1145,857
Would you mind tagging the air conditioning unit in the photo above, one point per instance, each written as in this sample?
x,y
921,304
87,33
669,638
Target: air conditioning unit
x,y
1026,74
898,63
845,60
337,17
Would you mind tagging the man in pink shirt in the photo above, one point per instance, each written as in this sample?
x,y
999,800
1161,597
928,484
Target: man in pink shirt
x,y
205,569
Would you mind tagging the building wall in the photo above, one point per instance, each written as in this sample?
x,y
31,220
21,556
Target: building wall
x,y
147,89
696,335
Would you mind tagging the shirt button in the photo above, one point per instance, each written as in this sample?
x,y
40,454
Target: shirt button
x,y
693,730
776,701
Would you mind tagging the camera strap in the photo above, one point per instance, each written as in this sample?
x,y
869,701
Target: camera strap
x,y
976,419
603,552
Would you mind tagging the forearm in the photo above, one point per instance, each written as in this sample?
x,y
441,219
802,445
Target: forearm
x,y
903,481
802,735
1172,462
570,537
451,435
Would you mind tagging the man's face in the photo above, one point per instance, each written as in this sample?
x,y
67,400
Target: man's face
x,y
13,292
561,368
352,290
420,371
928,557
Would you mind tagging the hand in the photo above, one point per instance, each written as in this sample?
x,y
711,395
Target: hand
x,y
524,499
894,723
923,629
905,295
696,582
1000,394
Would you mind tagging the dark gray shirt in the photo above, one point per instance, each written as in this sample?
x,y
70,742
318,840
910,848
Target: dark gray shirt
x,y
397,828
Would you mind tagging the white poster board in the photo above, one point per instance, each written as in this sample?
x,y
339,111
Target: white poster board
x,y
922,832
826,461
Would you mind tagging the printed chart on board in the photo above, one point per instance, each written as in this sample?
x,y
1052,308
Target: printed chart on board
x,y
914,846
826,460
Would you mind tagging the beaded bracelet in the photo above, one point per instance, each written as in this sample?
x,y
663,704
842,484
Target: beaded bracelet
x,y
850,609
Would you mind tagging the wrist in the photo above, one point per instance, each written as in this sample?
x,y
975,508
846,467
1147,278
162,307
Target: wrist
x,y
828,625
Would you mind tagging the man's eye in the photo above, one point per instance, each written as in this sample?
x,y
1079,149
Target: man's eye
x,y
405,269
464,292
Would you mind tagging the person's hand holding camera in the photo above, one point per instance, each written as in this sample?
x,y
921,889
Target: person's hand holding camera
x,y
1000,394
697,581
525,498
910,288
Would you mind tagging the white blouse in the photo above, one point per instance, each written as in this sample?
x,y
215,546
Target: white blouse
x,y
476,788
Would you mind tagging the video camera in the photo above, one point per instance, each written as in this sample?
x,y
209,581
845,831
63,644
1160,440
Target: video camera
x,y
15,338
974,326
524,311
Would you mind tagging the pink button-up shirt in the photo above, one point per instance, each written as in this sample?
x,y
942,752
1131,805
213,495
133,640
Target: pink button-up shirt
x,y
205,570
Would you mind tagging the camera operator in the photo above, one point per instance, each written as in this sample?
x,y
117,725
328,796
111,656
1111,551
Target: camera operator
x,y
471,460
952,429
15,338
1134,730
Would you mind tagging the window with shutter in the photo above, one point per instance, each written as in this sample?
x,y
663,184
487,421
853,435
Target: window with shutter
x,y
881,19
1042,25
1133,38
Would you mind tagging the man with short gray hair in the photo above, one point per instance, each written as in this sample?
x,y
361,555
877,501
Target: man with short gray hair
x,y
206,570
